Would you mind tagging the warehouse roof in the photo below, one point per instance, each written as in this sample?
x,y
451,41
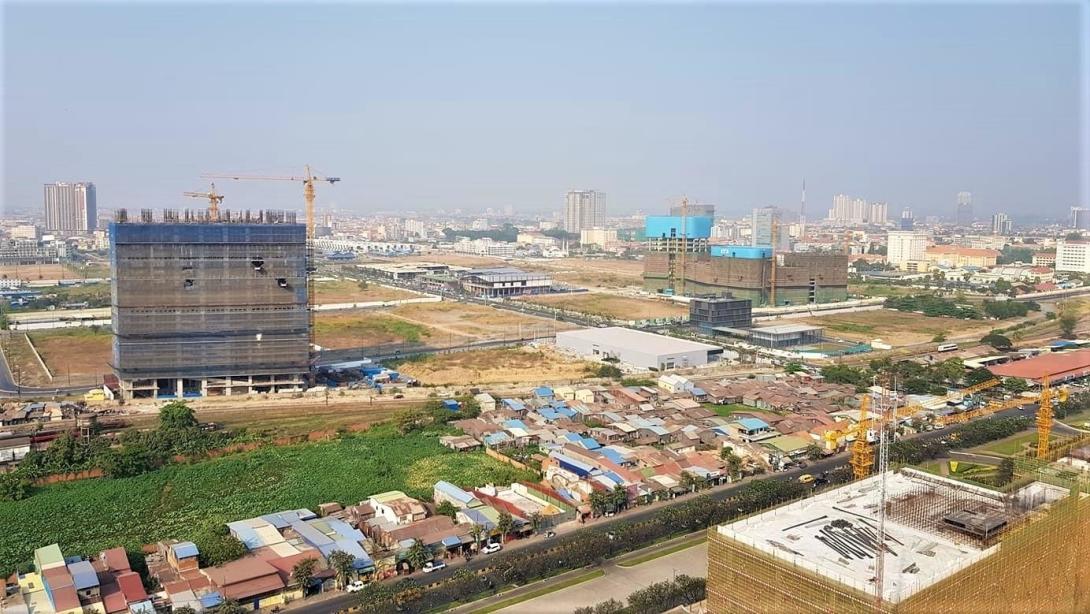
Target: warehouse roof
x,y
1056,366
635,340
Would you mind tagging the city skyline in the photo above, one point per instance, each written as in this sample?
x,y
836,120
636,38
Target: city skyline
x,y
488,128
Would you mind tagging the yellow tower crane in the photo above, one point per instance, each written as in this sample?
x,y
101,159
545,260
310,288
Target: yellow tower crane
x,y
214,200
1045,414
307,178
862,453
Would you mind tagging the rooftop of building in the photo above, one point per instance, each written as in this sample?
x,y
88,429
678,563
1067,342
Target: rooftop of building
x,y
962,251
1052,365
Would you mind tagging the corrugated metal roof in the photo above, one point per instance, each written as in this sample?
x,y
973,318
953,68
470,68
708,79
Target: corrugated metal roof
x,y
83,575
454,492
184,549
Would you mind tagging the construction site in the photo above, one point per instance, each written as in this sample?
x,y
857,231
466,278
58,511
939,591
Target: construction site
x,y
904,540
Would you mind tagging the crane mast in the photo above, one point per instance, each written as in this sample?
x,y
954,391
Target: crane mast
x,y
214,200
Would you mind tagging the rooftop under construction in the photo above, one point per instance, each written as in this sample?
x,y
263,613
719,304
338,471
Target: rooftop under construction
x,y
949,546
207,305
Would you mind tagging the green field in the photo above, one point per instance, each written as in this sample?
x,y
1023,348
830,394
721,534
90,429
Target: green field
x,y
179,501
1011,445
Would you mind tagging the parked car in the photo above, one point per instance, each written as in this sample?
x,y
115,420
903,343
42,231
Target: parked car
x,y
806,478
491,547
431,566
550,534
355,586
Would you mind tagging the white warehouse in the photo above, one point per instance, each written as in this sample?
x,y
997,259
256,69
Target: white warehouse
x,y
637,348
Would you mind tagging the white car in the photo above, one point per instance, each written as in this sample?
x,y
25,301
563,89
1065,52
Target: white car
x,y
356,586
491,547
431,566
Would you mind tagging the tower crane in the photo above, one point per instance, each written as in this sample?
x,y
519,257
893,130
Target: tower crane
x,y
307,178
214,200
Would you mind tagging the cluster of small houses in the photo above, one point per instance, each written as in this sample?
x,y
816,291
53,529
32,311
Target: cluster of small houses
x,y
645,438
15,446
377,534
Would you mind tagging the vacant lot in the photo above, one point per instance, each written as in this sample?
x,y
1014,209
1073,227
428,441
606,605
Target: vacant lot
x,y
467,260
365,328
894,327
25,369
76,355
182,500
612,306
348,291
589,272
35,272
477,322
521,365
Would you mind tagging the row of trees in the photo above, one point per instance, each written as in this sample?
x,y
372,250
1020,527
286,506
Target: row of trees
x,y
662,596
932,305
435,413
968,435
914,377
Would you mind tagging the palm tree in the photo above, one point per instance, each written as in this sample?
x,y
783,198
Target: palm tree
x,y
303,572
476,531
504,524
535,521
418,554
342,563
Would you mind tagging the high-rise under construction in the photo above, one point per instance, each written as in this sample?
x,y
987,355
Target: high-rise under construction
x,y
948,546
207,308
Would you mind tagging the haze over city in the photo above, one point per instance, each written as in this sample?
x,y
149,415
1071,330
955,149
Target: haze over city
x,y
475,106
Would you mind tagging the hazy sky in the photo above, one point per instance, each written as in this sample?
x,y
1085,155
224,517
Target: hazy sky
x,y
426,107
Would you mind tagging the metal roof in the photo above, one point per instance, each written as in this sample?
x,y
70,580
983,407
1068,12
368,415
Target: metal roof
x,y
184,549
83,575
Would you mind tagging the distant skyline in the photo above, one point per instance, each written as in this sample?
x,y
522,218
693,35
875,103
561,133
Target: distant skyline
x,y
428,107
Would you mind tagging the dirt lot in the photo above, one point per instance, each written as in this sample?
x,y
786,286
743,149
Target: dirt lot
x,y
81,355
476,322
590,273
347,291
524,364
467,260
35,272
612,306
366,328
894,327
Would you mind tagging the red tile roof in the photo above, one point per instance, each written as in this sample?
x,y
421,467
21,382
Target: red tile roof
x,y
1062,365
244,578
113,599
131,586
115,559
65,598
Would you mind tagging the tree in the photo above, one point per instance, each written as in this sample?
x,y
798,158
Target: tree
x,y
476,531
13,487
230,606
418,554
183,610
446,508
218,548
814,452
734,462
939,338
176,415
342,564
997,341
303,572
535,521
978,376
793,367
505,523
1005,473
599,502
1068,322
1015,385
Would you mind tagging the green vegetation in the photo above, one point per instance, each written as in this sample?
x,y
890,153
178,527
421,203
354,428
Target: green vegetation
x,y
1010,446
638,381
373,325
1011,254
1002,310
605,370
507,233
997,341
95,295
932,305
663,596
915,451
729,409
184,501
552,588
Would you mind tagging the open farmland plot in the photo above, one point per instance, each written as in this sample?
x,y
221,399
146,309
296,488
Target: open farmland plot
x,y
612,306
521,365
75,355
894,327
182,500
348,291
366,328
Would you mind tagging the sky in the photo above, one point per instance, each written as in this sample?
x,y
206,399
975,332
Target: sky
x,y
423,108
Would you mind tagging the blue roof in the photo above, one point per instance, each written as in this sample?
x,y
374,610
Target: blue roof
x,y
566,411
210,600
451,541
454,492
83,575
753,424
515,404
184,549
589,443
477,517
549,413
612,455
558,403
543,391
344,530
577,467
245,534
450,404
312,536
497,437
697,392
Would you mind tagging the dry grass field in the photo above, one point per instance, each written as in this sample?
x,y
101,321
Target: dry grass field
x,y
590,273
36,272
476,321
347,291
893,327
366,328
612,306
522,365
79,355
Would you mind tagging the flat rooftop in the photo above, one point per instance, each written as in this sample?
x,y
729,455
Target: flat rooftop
x,y
651,343
918,559
1063,365
787,329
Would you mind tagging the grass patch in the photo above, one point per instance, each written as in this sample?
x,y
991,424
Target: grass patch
x,y
1011,445
597,573
685,545
180,501
347,330
728,409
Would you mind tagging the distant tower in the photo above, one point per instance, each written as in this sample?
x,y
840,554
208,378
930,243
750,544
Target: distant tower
x,y
802,211
964,215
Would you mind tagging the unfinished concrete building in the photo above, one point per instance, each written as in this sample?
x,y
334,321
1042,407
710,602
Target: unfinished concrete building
x,y
950,548
205,308
800,278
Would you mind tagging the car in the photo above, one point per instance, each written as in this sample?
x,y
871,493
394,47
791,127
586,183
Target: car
x,y
355,586
806,478
431,566
491,547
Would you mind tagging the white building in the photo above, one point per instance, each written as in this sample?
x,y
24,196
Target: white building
x,y
536,238
905,246
70,207
605,238
24,231
584,209
637,348
486,247
1073,256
